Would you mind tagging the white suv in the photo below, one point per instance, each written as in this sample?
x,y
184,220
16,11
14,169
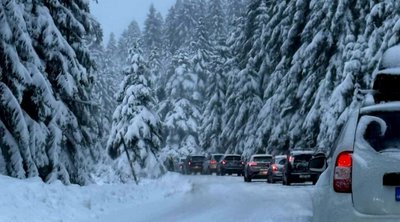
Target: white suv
x,y
362,180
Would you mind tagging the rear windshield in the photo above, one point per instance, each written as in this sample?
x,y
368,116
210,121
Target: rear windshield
x,y
302,158
381,130
263,159
218,157
301,161
280,160
198,158
232,158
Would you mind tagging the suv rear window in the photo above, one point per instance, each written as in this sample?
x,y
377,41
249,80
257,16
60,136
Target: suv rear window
x,y
232,158
381,130
262,159
302,158
280,161
218,157
198,158
301,161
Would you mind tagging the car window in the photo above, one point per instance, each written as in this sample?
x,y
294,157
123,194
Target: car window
x,y
198,158
302,158
281,161
381,130
232,158
218,157
262,159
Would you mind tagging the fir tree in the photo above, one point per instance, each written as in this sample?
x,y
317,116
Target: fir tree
x,y
46,125
135,124
153,27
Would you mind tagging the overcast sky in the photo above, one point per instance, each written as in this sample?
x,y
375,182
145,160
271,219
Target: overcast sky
x,y
115,15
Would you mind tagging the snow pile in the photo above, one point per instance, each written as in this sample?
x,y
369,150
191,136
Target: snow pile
x,y
32,200
391,58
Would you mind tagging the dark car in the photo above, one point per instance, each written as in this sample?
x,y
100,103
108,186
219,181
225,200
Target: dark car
x,y
210,165
296,169
229,164
275,171
257,167
194,164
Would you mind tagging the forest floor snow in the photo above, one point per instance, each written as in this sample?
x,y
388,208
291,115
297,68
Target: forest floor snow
x,y
171,198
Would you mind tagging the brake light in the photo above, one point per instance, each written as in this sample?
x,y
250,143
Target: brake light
x,y
213,162
291,159
252,164
223,162
242,162
190,163
342,175
274,168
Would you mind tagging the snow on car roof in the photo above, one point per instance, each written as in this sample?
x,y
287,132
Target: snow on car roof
x,y
391,58
258,155
389,71
280,156
390,106
298,152
231,154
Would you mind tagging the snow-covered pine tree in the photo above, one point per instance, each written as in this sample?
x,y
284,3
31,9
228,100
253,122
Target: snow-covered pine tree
x,y
212,118
135,123
153,27
180,25
128,38
216,22
46,126
244,95
182,115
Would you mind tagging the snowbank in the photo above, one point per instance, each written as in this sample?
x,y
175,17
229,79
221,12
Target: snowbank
x,y
32,200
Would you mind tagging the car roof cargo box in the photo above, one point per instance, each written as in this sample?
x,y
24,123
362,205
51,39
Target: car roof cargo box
x,y
387,88
386,84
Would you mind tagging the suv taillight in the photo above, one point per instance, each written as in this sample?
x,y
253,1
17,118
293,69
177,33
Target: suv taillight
x,y
223,162
342,174
253,164
274,167
190,163
213,162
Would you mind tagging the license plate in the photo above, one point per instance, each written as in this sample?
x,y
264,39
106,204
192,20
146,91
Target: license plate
x,y
304,176
397,193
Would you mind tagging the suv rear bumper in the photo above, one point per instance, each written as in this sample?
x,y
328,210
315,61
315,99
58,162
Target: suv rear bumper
x,y
277,175
340,208
195,169
258,174
232,170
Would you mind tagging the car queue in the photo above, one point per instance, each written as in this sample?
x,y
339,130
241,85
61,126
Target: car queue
x,y
290,168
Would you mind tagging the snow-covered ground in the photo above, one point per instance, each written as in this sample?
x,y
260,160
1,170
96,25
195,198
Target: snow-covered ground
x,y
171,198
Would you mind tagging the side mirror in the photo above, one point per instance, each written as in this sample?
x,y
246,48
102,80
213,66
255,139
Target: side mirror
x,y
317,164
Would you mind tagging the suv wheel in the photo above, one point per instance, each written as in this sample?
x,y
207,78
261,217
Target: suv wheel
x,y
270,179
285,180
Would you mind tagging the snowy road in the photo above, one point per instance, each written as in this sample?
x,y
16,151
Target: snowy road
x,y
228,198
